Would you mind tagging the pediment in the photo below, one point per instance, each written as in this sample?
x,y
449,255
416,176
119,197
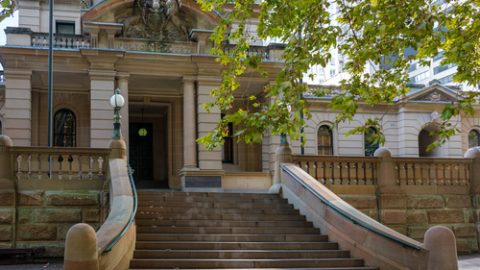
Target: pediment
x,y
160,21
433,94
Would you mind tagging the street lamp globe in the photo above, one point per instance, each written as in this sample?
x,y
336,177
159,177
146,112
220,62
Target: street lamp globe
x,y
117,100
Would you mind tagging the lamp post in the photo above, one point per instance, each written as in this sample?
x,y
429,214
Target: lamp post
x,y
117,101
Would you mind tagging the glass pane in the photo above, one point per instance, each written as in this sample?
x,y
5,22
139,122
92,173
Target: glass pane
x,y
369,141
65,28
64,128
473,139
325,141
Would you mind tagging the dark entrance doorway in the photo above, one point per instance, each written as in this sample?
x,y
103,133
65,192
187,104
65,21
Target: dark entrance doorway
x,y
148,144
141,152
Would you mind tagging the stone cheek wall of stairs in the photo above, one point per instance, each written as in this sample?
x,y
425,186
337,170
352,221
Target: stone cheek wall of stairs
x,y
228,230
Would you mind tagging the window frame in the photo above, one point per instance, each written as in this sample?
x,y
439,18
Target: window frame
x,y
325,149
72,141
64,23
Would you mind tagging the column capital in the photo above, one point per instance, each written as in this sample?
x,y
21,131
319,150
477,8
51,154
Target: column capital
x,y
101,74
17,73
122,76
209,80
189,78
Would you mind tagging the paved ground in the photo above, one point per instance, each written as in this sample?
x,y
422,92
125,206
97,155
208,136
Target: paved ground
x,y
470,262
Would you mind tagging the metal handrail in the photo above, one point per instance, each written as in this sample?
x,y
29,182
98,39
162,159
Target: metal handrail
x,y
346,215
132,216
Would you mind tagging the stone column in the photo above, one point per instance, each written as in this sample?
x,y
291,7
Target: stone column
x,y
102,84
189,125
207,121
18,106
122,84
283,154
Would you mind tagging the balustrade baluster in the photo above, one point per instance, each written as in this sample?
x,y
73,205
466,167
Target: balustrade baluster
x,y
356,179
39,171
60,166
70,169
439,175
455,175
324,172
19,166
100,167
448,174
332,172
340,173
90,167
29,166
80,171
364,167
347,168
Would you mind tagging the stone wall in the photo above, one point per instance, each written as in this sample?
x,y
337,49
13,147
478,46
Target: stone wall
x,y
413,214
42,218
7,217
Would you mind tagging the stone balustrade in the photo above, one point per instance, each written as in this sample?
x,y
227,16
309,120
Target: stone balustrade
x,y
335,170
37,209
408,194
432,171
61,41
331,170
65,163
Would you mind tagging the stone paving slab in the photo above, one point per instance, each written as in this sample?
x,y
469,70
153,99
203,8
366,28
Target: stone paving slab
x,y
468,262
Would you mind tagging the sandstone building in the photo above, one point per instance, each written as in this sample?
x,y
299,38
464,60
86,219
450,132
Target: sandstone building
x,y
156,53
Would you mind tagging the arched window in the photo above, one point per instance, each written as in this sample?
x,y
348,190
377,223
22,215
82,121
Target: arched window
x,y
369,141
325,141
473,138
426,137
64,128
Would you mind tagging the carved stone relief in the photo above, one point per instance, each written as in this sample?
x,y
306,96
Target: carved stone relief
x,y
158,21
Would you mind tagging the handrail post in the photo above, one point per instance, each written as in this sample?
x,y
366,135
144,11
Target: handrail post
x,y
6,168
283,154
118,149
386,178
81,250
474,155
387,192
441,244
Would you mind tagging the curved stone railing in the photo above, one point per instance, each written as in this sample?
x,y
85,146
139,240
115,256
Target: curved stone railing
x,y
366,238
111,247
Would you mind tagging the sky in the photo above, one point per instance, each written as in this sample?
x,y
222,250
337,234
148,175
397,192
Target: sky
x,y
10,21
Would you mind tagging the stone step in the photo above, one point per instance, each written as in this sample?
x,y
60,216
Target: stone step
x,y
233,199
227,230
245,263
310,268
240,254
197,210
233,237
221,223
156,194
233,205
190,245
232,217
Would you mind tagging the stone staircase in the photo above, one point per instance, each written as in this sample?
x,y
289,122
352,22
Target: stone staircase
x,y
230,230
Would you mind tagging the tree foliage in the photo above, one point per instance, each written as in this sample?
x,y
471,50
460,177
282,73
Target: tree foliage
x,y
369,33
7,8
